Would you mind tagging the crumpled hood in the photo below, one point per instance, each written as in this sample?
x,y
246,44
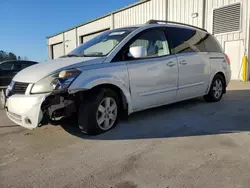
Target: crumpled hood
x,y
36,72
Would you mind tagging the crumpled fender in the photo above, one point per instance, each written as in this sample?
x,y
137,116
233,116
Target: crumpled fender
x,y
81,85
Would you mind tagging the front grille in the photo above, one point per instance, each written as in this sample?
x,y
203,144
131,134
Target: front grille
x,y
19,88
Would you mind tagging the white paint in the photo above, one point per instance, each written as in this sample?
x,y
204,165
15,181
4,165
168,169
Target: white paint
x,y
173,10
56,39
149,76
193,74
57,50
98,25
89,37
70,40
34,73
235,51
27,107
182,11
140,14
232,36
145,83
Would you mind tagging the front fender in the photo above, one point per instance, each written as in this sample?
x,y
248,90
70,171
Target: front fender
x,y
88,83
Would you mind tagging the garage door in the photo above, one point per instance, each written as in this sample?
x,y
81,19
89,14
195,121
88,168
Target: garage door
x,y
235,51
57,50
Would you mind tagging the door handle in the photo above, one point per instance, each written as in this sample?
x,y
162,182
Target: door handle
x,y
170,64
183,62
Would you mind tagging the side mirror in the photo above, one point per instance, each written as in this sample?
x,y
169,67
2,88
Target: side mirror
x,y
137,52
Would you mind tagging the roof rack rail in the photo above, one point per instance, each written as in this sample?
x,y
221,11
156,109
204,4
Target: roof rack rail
x,y
171,22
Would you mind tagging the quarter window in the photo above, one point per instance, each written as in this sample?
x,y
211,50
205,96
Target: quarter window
x,y
210,43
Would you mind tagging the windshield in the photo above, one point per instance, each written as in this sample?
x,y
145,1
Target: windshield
x,y
102,44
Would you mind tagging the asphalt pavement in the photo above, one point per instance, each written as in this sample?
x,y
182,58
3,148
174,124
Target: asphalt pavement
x,y
191,144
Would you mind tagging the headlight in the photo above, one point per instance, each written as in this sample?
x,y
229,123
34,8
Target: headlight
x,y
57,81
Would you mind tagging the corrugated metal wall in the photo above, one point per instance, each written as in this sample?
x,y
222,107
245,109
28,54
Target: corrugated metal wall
x,y
70,40
211,4
182,10
238,40
55,39
96,26
89,37
154,9
194,12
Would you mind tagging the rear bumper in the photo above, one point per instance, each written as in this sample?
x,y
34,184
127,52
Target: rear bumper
x,y
228,77
25,110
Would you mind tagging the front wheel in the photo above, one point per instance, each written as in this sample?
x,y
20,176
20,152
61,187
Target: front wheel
x,y
99,112
216,90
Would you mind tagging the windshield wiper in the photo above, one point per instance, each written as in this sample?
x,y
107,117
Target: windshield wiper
x,y
71,55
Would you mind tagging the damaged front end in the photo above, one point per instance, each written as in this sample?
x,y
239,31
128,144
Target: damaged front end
x,y
31,111
47,99
24,110
58,105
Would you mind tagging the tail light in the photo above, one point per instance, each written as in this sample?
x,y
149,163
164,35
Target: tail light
x,y
227,59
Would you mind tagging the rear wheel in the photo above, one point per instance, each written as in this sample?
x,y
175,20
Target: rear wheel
x,y
216,90
99,112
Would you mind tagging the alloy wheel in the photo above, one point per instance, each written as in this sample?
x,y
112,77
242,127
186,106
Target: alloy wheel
x,y
217,88
106,113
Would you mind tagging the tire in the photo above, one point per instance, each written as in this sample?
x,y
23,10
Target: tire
x,y
216,89
94,108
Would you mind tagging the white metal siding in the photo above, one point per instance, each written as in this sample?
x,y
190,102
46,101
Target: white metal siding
x,y
56,39
98,25
241,35
182,10
88,37
173,10
224,38
140,14
70,40
58,50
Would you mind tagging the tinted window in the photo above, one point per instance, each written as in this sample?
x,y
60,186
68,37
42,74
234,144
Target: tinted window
x,y
9,66
210,43
26,64
154,40
17,66
184,40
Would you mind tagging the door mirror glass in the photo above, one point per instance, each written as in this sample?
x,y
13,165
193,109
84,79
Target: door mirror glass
x,y
137,52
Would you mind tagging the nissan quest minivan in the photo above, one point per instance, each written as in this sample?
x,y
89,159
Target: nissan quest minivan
x,y
120,72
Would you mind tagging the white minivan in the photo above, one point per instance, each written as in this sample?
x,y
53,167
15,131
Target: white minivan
x,y
120,72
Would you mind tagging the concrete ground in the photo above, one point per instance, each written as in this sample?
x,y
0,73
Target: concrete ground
x,y
189,144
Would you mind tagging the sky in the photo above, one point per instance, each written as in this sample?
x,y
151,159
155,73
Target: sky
x,y
25,24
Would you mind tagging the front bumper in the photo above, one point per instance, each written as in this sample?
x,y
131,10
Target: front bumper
x,y
25,110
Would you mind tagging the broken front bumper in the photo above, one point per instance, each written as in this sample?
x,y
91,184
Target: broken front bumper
x,y
24,110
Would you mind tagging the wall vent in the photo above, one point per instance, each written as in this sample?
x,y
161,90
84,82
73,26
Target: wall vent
x,y
227,19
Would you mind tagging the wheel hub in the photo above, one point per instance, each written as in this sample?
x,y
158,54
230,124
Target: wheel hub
x,y
217,88
107,113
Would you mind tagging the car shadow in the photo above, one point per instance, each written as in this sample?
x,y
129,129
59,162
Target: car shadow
x,y
188,118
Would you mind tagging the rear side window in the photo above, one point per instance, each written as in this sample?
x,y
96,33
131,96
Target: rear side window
x,y
210,43
184,40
